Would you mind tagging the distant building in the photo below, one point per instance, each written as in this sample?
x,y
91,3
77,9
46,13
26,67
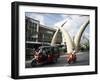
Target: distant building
x,y
32,29
46,34
37,34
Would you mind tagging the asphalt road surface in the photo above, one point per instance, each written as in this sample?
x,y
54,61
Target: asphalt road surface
x,y
82,59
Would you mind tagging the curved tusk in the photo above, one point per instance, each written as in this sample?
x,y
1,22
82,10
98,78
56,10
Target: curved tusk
x,y
68,40
79,34
54,38
55,35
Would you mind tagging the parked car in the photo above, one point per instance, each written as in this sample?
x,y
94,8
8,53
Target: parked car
x,y
45,54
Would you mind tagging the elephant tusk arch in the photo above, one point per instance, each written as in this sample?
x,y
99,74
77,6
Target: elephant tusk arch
x,y
79,34
68,40
54,37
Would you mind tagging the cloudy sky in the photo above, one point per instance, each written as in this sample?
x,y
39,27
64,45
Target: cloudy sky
x,y
73,22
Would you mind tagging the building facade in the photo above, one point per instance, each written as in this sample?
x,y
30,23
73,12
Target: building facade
x,y
46,35
32,29
39,34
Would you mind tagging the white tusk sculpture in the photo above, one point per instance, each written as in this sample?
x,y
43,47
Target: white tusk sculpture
x,y
54,38
55,35
69,43
79,34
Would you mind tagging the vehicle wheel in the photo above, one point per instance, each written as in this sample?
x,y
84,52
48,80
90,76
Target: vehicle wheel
x,y
69,61
55,60
33,63
74,60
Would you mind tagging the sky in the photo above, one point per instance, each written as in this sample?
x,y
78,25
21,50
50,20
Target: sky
x,y
73,21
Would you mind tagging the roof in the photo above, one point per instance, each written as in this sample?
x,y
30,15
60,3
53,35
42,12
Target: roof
x,y
32,19
50,28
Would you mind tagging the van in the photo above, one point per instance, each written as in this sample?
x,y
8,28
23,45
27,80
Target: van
x,y
45,54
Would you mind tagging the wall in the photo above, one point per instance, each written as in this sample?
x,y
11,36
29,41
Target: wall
x,y
5,41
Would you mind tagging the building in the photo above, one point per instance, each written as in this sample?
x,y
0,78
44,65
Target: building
x,y
37,34
32,29
46,34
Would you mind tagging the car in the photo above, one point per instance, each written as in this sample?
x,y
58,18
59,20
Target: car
x,y
45,54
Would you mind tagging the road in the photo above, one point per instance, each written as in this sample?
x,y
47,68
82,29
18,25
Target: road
x,y
82,59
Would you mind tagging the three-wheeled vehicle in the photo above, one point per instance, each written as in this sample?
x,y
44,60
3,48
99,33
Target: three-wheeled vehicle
x,y
45,54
